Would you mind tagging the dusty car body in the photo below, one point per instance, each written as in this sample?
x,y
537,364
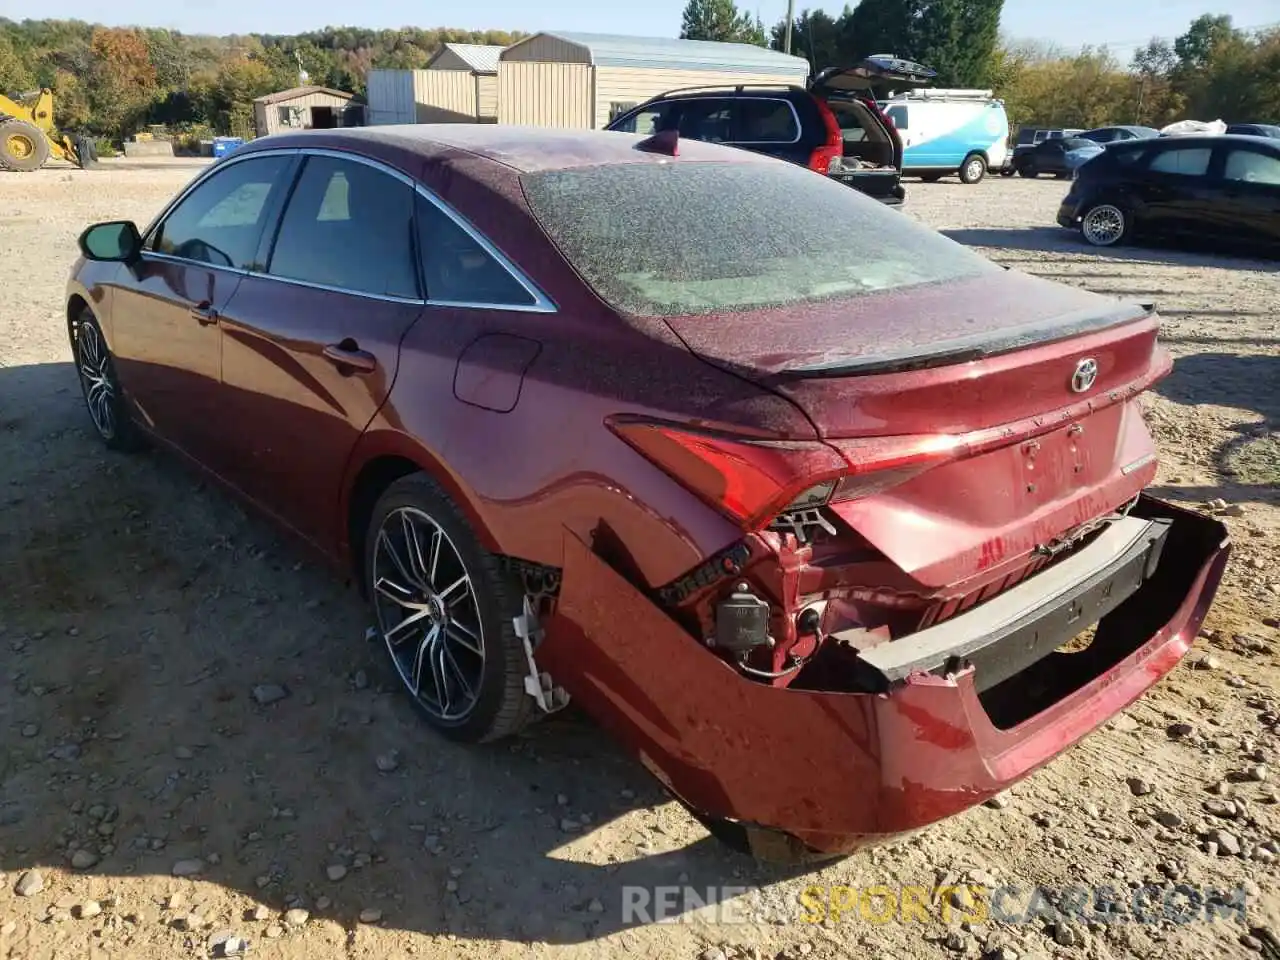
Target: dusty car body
x,y
798,498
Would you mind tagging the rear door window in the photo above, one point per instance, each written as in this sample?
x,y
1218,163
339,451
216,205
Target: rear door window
x,y
766,121
1184,161
710,120
1252,166
899,117
348,226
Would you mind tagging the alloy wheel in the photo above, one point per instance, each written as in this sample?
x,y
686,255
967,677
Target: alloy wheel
x,y
95,378
428,614
974,170
1104,225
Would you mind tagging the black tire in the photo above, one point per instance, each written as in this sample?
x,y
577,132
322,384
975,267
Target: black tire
x,y
1029,171
23,146
973,169
501,706
1106,225
99,384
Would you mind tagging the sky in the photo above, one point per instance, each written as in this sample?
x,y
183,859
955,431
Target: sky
x,y
1123,25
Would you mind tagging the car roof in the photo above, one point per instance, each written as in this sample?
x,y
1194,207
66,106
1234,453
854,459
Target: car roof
x,y
1209,139
756,90
524,149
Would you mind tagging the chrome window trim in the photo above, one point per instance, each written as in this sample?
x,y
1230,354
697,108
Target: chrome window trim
x,y
542,303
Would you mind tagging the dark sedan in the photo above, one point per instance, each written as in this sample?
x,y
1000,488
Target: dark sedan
x,y
1058,157
798,497
1216,190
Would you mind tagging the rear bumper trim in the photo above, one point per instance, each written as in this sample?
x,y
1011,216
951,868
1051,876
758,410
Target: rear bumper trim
x,y
1026,623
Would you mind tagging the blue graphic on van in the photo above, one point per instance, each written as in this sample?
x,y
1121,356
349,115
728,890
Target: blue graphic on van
x,y
939,135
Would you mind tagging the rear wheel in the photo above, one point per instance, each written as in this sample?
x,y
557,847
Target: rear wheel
x,y
1105,225
973,169
23,146
444,608
1028,170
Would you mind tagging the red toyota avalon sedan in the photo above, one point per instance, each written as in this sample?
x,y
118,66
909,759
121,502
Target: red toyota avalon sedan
x,y
838,525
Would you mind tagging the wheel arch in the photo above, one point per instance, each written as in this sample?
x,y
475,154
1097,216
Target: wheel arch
x,y
379,460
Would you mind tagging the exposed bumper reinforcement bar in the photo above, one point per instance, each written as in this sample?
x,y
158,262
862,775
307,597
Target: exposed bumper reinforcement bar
x,y
1011,631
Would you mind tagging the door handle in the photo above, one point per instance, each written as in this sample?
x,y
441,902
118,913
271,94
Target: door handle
x,y
347,355
204,313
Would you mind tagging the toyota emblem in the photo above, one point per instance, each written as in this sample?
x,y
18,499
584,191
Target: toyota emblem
x,y
1086,373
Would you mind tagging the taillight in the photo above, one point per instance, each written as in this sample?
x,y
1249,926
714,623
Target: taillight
x,y
753,481
824,158
750,481
827,156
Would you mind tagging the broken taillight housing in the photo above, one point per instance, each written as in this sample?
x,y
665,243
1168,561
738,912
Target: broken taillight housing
x,y
753,481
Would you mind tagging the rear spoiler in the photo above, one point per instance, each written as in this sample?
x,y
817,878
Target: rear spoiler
x,y
976,347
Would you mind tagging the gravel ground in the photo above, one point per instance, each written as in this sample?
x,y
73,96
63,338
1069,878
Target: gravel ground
x,y
151,806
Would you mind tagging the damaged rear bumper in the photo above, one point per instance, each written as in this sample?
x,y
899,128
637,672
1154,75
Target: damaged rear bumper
x,y
960,712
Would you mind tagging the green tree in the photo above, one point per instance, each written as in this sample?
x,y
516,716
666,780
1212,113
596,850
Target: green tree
x,y
814,36
15,77
1207,33
720,20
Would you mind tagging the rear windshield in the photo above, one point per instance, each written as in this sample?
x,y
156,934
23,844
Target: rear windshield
x,y
679,238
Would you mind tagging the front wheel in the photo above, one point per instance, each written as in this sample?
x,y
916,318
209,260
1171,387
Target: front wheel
x,y
101,387
444,608
973,169
1105,225
1029,171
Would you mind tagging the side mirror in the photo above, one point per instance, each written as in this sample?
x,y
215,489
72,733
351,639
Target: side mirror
x,y
116,240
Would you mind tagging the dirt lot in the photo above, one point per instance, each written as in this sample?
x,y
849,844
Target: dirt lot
x,y
139,609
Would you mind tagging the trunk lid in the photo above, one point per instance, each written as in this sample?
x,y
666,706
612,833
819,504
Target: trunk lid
x,y
878,71
1021,380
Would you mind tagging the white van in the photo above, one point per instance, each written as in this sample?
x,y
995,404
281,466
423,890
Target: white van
x,y
965,132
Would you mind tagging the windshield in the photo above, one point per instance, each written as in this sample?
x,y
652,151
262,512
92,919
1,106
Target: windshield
x,y
670,239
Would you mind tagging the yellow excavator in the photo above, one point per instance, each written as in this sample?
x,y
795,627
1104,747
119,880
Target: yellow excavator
x,y
27,137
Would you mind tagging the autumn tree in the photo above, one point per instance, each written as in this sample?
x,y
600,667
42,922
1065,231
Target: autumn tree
x,y
122,80
720,20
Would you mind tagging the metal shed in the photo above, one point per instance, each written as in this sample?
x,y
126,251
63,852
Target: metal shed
x,y
305,108
583,80
458,85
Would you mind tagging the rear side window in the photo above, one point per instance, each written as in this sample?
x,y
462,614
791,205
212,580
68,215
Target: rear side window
x,y
766,121
221,221
670,239
1187,161
709,120
1252,166
456,268
348,225
900,118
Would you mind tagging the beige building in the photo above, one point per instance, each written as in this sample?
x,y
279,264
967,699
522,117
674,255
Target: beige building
x,y
583,80
305,108
458,85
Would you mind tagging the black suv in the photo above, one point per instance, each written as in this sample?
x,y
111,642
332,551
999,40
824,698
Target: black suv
x,y
832,125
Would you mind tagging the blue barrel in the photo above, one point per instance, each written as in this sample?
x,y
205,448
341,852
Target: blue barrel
x,y
224,145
